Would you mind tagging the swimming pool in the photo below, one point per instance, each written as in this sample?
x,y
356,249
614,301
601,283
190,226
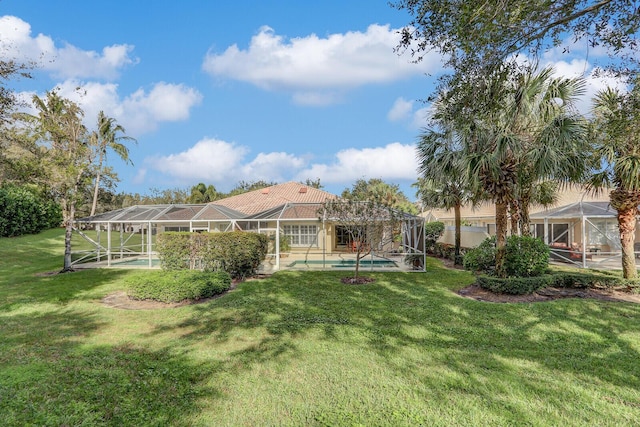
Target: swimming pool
x,y
343,263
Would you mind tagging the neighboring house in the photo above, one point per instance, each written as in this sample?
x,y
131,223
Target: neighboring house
x,y
288,211
581,228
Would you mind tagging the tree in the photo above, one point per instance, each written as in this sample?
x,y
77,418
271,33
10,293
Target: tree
x,y
617,120
245,187
481,35
443,182
10,69
202,193
368,223
313,183
380,192
109,135
58,126
532,135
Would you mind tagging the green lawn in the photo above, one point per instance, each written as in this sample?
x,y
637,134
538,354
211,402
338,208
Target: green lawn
x,y
300,348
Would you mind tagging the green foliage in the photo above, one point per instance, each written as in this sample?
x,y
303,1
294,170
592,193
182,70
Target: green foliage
x,y
242,358
582,279
381,193
24,210
482,258
236,252
177,285
526,256
433,231
515,285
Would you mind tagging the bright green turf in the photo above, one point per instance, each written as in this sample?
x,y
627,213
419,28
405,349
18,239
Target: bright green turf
x,y
301,348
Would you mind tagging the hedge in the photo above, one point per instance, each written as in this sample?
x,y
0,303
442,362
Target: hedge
x,y
585,280
24,210
177,285
236,252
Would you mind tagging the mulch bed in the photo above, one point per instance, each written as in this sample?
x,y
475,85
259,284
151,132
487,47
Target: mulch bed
x,y
548,294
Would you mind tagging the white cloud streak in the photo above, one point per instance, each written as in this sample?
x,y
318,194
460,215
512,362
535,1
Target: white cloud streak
x,y
224,164
317,70
140,112
68,61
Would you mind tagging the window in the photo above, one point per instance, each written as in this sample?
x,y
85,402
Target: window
x,y
558,233
177,228
301,235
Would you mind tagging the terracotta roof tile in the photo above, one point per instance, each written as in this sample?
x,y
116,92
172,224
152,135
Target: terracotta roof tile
x,y
254,202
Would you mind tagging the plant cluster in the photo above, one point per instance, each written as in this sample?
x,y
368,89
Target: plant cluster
x,y
525,257
237,253
177,285
25,211
583,280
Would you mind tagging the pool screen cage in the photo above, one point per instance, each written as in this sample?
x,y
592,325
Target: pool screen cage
x,y
129,234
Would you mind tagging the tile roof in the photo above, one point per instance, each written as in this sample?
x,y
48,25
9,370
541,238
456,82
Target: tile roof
x,y
257,201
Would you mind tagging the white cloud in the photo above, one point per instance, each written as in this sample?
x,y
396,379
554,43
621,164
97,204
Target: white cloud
x,y
277,166
400,110
208,160
403,111
138,113
68,61
594,83
314,69
224,164
392,162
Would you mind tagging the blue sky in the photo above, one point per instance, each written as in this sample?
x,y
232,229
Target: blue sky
x,y
219,92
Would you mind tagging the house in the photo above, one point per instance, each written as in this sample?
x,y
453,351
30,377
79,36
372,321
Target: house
x,y
289,211
581,228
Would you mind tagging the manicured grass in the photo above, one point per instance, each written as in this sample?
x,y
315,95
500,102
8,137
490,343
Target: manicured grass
x,y
301,348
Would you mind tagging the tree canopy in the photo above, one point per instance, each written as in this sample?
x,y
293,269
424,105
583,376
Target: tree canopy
x,y
474,35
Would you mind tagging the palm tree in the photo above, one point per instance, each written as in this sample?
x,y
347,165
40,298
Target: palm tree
x,y
536,135
442,182
617,125
109,135
201,193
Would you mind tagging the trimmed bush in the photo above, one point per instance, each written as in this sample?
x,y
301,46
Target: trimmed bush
x,y
482,258
24,210
433,231
516,285
582,280
238,253
177,285
526,256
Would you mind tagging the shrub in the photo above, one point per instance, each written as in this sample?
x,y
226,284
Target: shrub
x,y
25,210
177,285
526,256
516,285
482,258
236,252
584,280
433,231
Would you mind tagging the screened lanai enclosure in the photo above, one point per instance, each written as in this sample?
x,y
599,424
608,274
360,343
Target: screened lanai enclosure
x,y
299,236
584,234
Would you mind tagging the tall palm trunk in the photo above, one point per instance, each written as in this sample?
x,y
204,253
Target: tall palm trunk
x,y
94,204
501,238
626,203
627,224
457,259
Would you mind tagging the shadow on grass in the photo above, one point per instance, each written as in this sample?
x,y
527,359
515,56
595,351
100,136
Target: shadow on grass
x,y
485,351
47,377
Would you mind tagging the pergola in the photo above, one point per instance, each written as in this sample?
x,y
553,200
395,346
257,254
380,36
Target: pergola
x,y
130,231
